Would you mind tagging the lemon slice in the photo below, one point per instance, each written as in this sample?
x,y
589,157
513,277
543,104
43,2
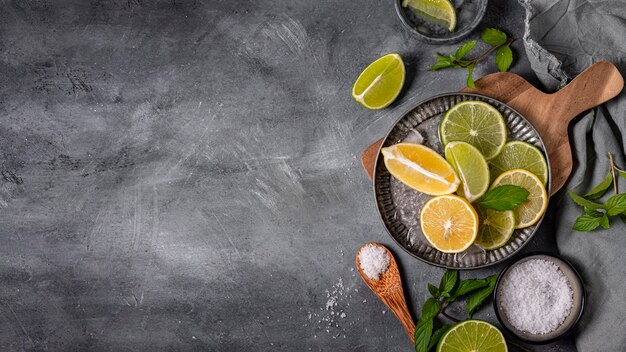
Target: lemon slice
x,y
476,123
529,212
449,223
420,168
380,83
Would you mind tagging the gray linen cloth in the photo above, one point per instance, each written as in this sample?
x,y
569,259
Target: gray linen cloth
x,y
563,38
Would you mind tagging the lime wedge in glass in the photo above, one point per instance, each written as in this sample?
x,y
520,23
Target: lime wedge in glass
x,y
495,228
471,167
476,123
472,336
442,11
380,83
520,155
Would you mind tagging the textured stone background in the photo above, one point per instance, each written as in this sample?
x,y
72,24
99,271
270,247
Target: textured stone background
x,y
185,176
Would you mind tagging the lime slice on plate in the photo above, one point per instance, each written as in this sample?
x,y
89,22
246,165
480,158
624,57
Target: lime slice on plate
x,y
472,336
476,123
495,228
441,10
380,83
471,167
529,212
520,155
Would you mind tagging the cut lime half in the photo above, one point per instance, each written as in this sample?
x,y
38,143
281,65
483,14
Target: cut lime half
x,y
476,123
472,336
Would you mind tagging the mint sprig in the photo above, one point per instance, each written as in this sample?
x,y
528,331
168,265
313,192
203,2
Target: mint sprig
x,y
499,42
597,214
426,336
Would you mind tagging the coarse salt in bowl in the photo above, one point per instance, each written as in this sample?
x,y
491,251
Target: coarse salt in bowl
x,y
539,298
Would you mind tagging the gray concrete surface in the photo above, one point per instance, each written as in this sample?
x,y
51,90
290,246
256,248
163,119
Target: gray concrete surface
x,y
185,175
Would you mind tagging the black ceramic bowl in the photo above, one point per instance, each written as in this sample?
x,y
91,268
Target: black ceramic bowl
x,y
576,312
469,13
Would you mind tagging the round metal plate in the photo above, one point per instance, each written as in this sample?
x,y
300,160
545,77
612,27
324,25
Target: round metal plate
x,y
399,205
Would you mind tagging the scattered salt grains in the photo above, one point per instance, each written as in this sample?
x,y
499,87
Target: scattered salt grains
x,y
327,317
536,296
374,261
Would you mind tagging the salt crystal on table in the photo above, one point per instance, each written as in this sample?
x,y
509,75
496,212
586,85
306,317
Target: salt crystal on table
x,y
536,296
374,261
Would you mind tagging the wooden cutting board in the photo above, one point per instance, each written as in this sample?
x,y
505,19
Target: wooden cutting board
x,y
549,113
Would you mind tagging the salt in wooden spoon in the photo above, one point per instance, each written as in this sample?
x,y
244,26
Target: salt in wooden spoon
x,y
388,288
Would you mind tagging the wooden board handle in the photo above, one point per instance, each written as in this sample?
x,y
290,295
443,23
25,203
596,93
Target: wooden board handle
x,y
597,84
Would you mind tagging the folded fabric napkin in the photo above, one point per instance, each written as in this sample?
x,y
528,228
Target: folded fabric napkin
x,y
563,38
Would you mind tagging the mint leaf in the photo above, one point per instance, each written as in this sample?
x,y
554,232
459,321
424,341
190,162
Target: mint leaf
x,y
594,213
448,281
599,190
616,204
586,223
440,65
430,308
505,197
464,49
468,285
443,62
438,334
604,221
421,336
504,58
434,291
476,299
470,79
584,202
493,36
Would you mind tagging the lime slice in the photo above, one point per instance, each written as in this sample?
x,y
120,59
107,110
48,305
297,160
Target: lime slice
x,y
520,155
471,167
472,336
476,123
380,83
495,228
441,10
529,212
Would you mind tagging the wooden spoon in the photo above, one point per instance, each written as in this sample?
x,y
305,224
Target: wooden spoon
x,y
389,289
